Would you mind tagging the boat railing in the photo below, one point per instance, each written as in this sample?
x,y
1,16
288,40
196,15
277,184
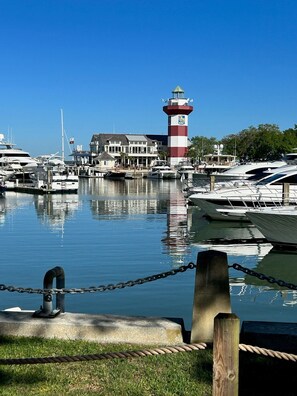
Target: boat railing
x,y
271,198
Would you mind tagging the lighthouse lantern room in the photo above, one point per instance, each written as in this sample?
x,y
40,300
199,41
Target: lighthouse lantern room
x,y
177,109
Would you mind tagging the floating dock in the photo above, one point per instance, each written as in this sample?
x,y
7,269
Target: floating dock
x,y
39,191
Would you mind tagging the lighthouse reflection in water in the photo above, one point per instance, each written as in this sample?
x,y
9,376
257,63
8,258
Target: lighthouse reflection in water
x,y
115,231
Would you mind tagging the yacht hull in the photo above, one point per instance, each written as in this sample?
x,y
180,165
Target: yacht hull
x,y
278,225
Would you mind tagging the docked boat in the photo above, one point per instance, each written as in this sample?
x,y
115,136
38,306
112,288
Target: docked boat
x,y
239,175
15,161
277,224
115,175
291,158
251,171
52,175
232,203
11,155
161,170
56,182
186,170
91,172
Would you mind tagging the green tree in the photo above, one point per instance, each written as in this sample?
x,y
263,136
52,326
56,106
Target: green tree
x,y
268,143
200,146
290,139
261,143
230,143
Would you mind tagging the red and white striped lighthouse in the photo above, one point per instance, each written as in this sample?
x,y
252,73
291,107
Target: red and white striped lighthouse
x,y
177,110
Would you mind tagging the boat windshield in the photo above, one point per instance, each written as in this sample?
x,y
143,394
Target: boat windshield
x,y
278,178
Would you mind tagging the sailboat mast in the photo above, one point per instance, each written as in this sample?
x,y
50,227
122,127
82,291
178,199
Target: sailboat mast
x,y
62,127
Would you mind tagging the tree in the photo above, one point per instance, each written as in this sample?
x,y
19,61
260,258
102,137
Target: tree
x,y
264,142
200,146
268,142
290,139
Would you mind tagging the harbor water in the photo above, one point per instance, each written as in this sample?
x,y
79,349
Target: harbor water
x,y
119,230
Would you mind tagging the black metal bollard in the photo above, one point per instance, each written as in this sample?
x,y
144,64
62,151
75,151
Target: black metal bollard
x,y
47,311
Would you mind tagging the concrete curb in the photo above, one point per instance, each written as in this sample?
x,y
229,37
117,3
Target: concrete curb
x,y
99,328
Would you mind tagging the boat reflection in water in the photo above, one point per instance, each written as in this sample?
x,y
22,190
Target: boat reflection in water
x,y
246,246
280,266
233,238
11,202
54,209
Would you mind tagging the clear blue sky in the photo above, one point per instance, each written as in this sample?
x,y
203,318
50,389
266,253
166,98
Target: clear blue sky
x,y
109,63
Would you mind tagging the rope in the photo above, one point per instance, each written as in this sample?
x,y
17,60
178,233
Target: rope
x,y
268,352
143,353
109,355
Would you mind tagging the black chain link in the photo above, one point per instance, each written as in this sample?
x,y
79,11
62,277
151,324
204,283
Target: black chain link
x,y
101,288
264,277
141,281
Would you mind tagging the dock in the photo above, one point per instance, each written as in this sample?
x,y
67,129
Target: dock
x,y
38,191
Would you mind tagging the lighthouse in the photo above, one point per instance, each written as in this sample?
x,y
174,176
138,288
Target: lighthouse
x,y
177,109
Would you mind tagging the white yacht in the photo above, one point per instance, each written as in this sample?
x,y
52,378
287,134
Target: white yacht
x,y
239,175
53,175
185,169
13,160
277,224
291,158
161,170
232,203
248,171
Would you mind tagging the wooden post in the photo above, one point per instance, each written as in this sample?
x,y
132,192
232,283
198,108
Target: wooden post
x,y
286,194
212,179
211,294
226,355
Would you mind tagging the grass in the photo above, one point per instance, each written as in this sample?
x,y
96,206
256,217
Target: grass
x,y
184,374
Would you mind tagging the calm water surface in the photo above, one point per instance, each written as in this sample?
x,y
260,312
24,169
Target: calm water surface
x,y
115,231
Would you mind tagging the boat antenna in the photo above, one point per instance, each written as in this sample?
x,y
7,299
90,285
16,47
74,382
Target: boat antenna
x,y
62,128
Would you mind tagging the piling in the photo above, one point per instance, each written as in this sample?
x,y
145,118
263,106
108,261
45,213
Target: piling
x,y
212,180
226,355
211,294
286,194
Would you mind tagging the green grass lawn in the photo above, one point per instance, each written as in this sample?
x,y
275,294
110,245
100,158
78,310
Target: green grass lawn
x,y
185,373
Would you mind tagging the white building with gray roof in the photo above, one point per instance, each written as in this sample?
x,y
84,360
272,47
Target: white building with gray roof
x,y
128,149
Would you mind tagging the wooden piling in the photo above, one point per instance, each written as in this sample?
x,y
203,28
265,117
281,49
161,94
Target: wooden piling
x,y
211,294
226,355
212,180
286,194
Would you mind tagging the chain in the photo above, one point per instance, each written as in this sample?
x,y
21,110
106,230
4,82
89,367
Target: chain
x,y
140,281
261,276
101,288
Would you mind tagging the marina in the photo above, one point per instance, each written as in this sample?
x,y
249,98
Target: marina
x,y
113,231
